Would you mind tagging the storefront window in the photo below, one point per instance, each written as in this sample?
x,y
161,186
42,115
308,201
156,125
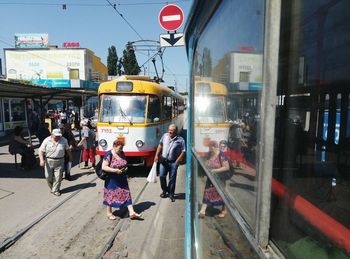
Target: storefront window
x,y
227,76
15,113
311,180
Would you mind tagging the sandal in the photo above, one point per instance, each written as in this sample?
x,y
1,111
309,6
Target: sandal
x,y
136,216
222,214
111,217
201,215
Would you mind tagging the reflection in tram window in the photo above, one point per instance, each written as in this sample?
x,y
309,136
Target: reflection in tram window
x,y
227,93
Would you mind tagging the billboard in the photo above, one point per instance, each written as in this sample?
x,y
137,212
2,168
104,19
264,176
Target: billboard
x,y
31,40
45,64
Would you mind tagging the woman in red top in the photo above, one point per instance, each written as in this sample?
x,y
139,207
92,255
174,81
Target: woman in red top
x,y
218,163
116,187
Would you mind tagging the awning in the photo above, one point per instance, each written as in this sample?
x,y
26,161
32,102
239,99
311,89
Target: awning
x,y
22,90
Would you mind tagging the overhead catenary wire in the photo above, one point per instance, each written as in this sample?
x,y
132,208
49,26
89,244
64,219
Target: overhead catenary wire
x,y
93,5
127,22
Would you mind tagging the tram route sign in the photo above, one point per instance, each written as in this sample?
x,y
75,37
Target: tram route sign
x,y
171,17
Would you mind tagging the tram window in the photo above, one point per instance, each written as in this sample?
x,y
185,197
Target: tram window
x,y
167,107
123,108
175,108
217,141
312,167
153,109
124,86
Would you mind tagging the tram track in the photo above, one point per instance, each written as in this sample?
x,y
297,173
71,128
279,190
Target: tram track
x,y
92,228
10,241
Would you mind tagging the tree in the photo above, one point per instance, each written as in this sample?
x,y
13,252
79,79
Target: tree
x,y
119,68
112,61
129,61
206,62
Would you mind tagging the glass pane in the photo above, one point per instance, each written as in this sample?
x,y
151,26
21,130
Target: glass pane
x,y
219,237
311,180
154,109
123,108
18,110
227,89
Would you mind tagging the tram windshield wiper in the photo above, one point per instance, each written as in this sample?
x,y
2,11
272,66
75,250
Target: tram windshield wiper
x,y
124,115
109,111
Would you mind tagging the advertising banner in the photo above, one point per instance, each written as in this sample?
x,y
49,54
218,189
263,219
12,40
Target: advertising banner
x,y
31,40
45,64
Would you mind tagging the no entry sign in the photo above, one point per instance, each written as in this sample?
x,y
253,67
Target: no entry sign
x,y
171,17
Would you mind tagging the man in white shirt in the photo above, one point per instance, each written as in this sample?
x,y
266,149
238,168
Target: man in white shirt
x,y
51,155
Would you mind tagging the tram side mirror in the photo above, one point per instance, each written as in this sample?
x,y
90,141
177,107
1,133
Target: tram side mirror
x,y
156,119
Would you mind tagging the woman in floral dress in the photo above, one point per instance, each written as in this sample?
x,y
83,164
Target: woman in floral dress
x,y
116,187
218,163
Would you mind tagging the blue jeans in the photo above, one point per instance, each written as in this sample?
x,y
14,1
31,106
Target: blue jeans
x,y
164,169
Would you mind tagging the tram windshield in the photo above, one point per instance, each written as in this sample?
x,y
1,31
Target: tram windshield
x,y
123,108
210,109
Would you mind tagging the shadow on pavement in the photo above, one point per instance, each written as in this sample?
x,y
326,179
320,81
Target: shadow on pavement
x,y
180,196
142,206
8,170
78,187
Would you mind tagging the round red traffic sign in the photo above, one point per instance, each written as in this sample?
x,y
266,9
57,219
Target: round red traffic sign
x,y
171,17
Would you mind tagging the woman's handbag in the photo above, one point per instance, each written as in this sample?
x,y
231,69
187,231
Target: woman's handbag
x,y
103,175
152,176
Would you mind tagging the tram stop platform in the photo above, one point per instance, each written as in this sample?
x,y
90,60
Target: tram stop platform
x,y
74,225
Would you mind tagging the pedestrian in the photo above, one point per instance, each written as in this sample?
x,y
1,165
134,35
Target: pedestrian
x,y
56,118
116,187
218,164
19,145
43,132
51,154
170,152
88,143
63,117
68,135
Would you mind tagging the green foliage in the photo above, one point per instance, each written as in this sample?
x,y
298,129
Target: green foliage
x,y
129,61
112,61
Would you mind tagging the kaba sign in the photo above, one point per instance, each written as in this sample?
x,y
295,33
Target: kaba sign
x,y
71,45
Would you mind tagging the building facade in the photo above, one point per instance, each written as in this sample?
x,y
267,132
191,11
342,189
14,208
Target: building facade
x,y
35,62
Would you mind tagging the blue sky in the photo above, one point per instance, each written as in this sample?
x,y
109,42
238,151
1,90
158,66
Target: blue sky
x,y
97,26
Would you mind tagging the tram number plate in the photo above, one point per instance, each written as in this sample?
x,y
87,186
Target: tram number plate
x,y
116,130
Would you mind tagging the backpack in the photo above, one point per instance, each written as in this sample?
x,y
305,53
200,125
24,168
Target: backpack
x,y
103,175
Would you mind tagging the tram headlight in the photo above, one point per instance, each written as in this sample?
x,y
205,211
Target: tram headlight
x,y
103,143
139,143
